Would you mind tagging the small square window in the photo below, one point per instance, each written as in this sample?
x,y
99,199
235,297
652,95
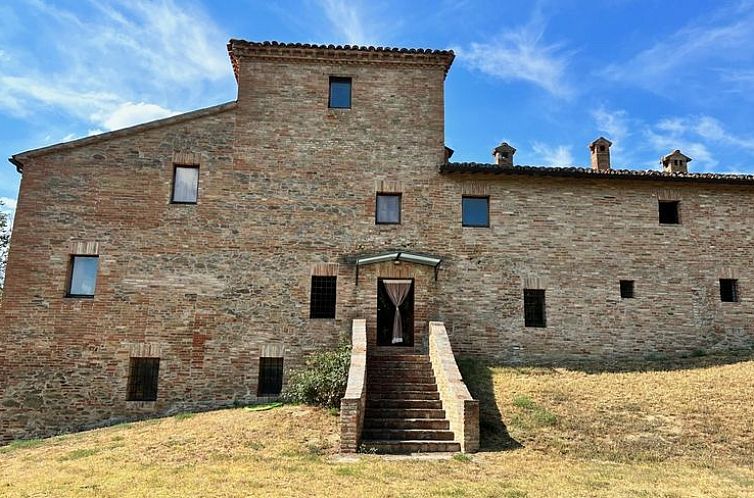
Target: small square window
x,y
476,211
669,212
83,276
142,379
534,308
322,301
340,93
388,209
626,289
270,376
185,184
728,290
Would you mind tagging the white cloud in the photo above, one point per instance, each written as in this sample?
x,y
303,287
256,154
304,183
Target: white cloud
x,y
129,114
346,17
521,54
559,155
9,204
111,65
670,134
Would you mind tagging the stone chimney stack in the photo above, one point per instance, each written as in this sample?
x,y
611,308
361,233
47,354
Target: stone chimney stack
x,y
600,150
675,162
503,154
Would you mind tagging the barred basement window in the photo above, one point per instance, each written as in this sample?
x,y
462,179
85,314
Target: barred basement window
x,y
669,212
340,93
626,289
83,276
142,379
534,308
322,303
185,184
728,290
270,376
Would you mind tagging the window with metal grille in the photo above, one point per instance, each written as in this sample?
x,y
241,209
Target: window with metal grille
x,y
83,276
322,303
270,376
142,379
728,290
626,289
340,93
534,308
388,209
475,211
669,212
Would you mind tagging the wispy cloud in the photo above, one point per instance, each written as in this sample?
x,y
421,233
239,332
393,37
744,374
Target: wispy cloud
x,y
719,46
616,126
115,65
349,20
521,54
676,133
559,155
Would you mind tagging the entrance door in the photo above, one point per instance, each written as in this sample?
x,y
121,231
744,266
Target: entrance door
x,y
386,335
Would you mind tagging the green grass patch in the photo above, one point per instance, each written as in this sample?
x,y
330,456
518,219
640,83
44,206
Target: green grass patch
x,y
184,416
79,454
21,444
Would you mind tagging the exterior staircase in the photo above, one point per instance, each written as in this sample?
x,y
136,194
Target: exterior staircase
x,y
404,413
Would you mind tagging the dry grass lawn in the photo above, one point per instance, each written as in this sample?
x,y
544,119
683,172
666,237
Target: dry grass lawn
x,y
686,432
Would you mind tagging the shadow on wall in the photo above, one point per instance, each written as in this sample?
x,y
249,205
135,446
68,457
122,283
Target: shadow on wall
x,y
493,434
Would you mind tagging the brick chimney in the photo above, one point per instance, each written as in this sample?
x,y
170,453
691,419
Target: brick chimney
x,y
675,162
600,150
503,154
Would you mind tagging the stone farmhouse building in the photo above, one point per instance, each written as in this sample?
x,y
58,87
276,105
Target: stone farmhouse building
x,y
193,262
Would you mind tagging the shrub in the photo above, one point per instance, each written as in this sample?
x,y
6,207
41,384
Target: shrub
x,y
323,381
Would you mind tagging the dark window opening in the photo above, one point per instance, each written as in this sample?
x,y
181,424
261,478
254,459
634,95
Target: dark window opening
x,y
475,211
505,155
388,209
185,185
323,292
728,290
340,93
83,276
534,308
669,212
602,148
142,379
626,289
270,376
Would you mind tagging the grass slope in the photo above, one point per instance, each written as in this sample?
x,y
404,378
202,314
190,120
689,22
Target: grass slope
x,y
562,433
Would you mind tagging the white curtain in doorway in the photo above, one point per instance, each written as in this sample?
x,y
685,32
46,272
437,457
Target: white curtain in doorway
x,y
397,290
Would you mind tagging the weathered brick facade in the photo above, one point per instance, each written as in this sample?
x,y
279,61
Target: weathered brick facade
x,y
287,190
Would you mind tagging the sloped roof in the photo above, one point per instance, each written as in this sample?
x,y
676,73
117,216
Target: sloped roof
x,y
18,159
613,174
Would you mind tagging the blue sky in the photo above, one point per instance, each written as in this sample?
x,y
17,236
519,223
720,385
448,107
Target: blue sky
x,y
546,76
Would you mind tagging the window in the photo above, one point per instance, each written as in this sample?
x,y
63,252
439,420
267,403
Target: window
x,y
340,93
83,276
388,209
323,297
728,290
185,184
476,211
669,213
626,289
142,379
270,376
534,308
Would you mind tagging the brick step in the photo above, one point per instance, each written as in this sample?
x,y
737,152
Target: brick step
x,y
402,358
381,387
400,379
404,413
404,447
417,370
405,403
403,395
385,434
407,423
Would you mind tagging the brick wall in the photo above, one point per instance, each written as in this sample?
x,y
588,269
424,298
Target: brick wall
x,y
286,188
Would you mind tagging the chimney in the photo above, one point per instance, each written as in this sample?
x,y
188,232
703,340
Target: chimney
x,y
503,154
600,150
675,162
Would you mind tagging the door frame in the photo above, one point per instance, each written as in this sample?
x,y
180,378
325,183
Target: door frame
x,y
408,322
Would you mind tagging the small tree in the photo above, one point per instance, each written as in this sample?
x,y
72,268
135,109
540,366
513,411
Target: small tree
x,y
323,380
4,242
